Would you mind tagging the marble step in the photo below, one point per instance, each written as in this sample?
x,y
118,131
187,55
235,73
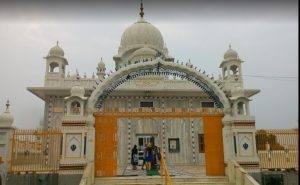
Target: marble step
x,y
220,180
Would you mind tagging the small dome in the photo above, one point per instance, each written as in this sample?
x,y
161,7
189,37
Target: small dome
x,y
56,51
101,64
142,33
6,118
144,51
230,54
77,90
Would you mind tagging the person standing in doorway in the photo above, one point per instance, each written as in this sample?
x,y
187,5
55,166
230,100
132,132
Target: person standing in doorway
x,y
134,157
144,156
158,158
149,157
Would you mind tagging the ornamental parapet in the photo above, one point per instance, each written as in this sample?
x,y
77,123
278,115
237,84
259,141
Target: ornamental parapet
x,y
244,121
162,110
74,120
66,82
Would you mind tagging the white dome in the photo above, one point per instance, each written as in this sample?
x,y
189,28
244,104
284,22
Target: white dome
x,y
142,33
6,118
144,51
77,91
101,64
230,54
56,51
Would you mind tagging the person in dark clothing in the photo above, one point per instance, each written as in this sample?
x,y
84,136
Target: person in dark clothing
x,y
134,157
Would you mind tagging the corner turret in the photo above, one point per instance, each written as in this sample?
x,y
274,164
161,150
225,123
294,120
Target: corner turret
x,y
55,64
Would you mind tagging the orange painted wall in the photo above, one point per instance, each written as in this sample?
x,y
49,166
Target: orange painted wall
x,y
213,141
105,146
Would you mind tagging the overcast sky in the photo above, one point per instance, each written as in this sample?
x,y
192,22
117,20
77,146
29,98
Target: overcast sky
x,y
264,34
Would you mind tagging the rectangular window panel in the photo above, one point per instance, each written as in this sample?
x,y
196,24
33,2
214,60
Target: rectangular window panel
x,y
174,145
84,149
146,104
208,104
234,142
201,143
141,142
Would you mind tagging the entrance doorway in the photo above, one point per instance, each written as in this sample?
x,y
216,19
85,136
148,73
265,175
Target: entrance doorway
x,y
106,140
142,141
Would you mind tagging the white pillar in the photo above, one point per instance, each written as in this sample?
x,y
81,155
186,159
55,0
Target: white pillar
x,y
90,142
247,109
227,138
6,147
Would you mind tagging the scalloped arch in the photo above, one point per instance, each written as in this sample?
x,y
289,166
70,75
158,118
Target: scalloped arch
x,y
157,66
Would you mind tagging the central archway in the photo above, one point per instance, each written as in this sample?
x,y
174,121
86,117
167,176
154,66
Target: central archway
x,y
156,67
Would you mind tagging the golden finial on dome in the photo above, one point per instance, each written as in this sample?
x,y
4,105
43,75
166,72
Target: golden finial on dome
x,y
142,13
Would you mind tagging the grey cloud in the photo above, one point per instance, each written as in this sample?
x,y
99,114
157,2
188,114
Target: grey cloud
x,y
269,47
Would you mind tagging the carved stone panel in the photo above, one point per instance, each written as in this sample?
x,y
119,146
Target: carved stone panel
x,y
73,145
246,144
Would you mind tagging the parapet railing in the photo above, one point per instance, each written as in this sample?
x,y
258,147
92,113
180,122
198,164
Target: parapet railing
x,y
238,175
164,171
87,176
35,150
277,149
161,110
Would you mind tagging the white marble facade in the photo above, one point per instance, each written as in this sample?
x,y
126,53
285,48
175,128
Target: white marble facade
x,y
70,100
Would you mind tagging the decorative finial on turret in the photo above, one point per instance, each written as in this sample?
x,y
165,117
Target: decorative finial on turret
x,y
77,75
7,106
57,42
229,46
142,13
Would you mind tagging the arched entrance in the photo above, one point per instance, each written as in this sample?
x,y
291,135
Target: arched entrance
x,y
106,121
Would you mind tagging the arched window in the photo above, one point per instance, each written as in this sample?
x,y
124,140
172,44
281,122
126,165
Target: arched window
x,y
63,69
241,108
75,108
54,67
225,72
234,70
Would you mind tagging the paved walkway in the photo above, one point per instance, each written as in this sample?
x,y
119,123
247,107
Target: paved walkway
x,y
173,170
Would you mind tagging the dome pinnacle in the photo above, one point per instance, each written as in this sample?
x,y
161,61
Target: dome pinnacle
x,y
7,106
142,13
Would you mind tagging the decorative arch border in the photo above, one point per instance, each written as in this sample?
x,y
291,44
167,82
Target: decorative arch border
x,y
157,67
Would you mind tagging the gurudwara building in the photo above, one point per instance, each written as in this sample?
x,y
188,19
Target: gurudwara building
x,y
196,120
